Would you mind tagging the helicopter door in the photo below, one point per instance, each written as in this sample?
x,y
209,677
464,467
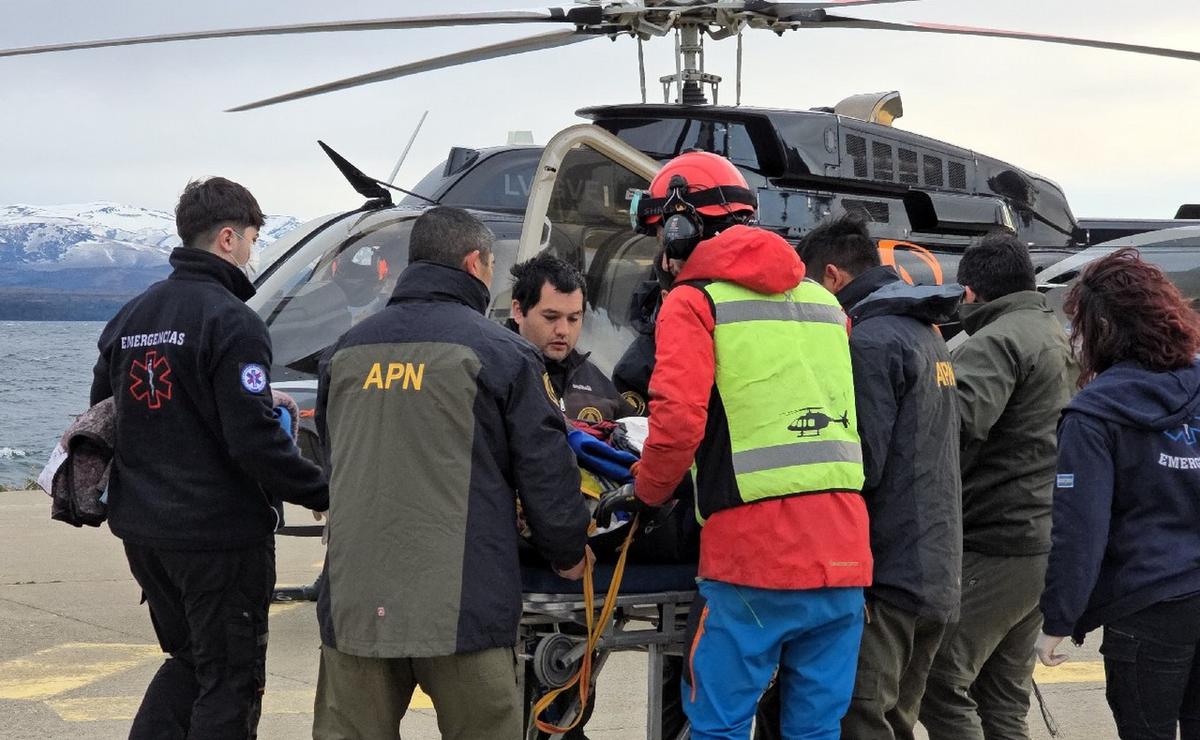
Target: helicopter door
x,y
579,210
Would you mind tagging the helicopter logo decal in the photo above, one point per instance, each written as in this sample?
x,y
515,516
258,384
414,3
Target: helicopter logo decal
x,y
811,421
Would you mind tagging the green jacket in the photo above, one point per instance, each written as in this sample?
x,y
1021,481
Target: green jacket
x,y
1015,373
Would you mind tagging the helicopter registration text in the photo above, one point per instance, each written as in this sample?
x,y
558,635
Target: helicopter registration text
x,y
405,374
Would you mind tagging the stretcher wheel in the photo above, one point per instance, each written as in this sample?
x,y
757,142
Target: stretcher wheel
x,y
550,662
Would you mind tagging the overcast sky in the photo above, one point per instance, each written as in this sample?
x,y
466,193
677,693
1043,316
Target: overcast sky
x,y
1117,131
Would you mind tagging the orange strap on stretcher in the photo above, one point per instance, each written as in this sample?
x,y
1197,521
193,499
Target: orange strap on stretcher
x,y
595,629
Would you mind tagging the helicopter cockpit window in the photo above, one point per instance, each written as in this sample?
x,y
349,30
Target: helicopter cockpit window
x,y
589,216
340,287
500,182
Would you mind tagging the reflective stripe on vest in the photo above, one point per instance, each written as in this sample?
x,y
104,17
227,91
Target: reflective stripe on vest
x,y
784,377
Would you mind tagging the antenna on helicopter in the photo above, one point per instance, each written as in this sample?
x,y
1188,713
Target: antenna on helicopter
x,y
365,185
403,154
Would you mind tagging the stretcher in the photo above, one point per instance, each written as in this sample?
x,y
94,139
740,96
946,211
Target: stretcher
x,y
649,615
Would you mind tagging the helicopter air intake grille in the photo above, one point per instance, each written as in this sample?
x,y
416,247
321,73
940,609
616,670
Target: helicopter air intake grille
x,y
908,167
884,165
958,175
933,171
872,210
856,147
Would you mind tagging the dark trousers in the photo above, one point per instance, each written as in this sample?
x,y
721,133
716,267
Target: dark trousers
x,y
209,611
979,685
893,663
1152,671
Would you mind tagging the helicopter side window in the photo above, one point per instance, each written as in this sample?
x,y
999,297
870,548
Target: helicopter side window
x,y
729,139
589,216
500,182
657,138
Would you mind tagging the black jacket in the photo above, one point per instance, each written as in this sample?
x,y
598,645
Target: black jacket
x,y
908,424
199,454
435,421
1126,515
586,393
582,391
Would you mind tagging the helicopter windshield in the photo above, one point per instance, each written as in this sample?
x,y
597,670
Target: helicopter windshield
x,y
342,275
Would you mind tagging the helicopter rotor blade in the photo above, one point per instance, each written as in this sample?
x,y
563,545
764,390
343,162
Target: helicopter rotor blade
x,y
591,15
833,21
491,51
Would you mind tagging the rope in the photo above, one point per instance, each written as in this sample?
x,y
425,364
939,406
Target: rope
x,y
595,629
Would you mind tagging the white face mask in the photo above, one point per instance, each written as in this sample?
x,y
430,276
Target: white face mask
x,y
250,267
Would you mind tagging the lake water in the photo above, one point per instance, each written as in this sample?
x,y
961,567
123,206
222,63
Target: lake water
x,y
45,379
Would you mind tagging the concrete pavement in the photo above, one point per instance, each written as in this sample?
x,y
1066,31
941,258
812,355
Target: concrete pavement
x,y
77,650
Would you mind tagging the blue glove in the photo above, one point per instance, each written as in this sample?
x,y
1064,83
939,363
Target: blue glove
x,y
285,419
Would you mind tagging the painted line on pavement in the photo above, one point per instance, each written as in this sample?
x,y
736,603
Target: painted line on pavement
x,y
1083,671
66,667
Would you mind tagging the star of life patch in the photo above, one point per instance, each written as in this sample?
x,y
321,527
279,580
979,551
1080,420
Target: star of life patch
x,y
1065,480
254,377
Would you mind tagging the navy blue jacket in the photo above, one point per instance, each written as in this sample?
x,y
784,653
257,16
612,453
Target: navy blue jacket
x,y
907,405
1126,530
200,455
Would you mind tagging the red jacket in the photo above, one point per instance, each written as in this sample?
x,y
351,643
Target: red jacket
x,y
799,542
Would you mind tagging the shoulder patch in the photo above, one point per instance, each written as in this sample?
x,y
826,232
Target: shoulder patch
x,y
1065,480
636,401
254,377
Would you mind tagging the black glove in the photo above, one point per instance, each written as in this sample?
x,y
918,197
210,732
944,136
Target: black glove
x,y
618,499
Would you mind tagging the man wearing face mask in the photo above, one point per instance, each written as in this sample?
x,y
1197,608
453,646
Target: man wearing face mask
x,y
548,306
199,460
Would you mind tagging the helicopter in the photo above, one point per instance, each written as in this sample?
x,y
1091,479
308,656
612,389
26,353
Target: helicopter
x,y
925,200
811,421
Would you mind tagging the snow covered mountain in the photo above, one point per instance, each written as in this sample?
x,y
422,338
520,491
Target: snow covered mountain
x,y
96,235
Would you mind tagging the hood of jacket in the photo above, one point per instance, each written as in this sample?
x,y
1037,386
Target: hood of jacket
x,y
975,316
1133,396
429,281
198,264
880,292
751,257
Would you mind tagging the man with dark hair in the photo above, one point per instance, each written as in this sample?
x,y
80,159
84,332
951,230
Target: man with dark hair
x,y
908,424
548,304
201,457
431,416
1014,375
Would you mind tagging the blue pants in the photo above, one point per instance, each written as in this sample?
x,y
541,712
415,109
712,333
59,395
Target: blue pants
x,y
744,633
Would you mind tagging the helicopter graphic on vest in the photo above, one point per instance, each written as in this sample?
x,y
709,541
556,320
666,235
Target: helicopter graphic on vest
x,y
811,421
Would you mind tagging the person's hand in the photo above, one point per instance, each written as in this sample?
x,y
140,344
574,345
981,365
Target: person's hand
x,y
319,515
1044,647
618,499
575,572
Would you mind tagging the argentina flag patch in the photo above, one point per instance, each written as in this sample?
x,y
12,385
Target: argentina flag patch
x,y
1065,480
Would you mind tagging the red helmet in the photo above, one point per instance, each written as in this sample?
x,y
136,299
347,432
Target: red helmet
x,y
715,188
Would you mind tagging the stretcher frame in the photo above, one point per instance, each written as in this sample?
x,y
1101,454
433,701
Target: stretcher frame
x,y
653,622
